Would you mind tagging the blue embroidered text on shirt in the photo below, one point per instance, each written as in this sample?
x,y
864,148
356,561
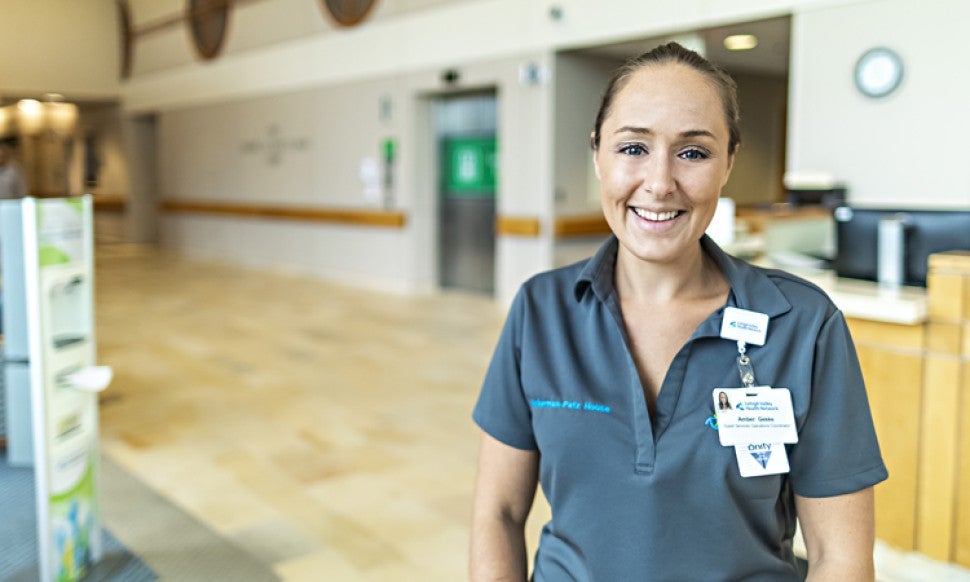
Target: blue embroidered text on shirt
x,y
570,405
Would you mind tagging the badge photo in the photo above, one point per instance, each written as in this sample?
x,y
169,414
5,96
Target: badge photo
x,y
754,415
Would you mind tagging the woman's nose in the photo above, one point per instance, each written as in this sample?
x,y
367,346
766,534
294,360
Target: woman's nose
x,y
658,176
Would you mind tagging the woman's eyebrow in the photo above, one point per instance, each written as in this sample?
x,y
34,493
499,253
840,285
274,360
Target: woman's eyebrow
x,y
697,133
647,131
634,129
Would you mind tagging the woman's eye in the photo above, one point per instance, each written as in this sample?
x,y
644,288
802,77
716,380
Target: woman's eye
x,y
694,154
633,150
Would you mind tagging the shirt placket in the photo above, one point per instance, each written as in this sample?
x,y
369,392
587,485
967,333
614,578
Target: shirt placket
x,y
646,431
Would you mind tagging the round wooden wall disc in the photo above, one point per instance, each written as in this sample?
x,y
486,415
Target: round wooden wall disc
x,y
348,12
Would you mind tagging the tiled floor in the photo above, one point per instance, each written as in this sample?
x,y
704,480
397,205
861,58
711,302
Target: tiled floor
x,y
325,430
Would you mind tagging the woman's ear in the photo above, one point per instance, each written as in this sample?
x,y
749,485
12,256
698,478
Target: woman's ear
x,y
592,143
731,158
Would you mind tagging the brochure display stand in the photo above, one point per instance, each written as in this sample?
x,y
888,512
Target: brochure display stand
x,y
53,241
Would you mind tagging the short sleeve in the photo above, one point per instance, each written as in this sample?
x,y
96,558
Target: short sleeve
x,y
502,410
837,451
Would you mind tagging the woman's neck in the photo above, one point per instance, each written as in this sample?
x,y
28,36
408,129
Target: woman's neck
x,y
693,276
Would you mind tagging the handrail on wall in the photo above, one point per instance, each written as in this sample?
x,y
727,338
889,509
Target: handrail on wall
x,y
358,216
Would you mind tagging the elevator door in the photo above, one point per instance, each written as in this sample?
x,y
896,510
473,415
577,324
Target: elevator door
x,y
465,128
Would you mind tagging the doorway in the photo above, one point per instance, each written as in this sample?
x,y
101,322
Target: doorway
x,y
467,170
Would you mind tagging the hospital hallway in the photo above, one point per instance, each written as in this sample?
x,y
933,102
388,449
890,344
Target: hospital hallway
x,y
297,429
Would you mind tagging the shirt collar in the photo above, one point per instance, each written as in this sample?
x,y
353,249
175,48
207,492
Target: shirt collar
x,y
751,288
598,272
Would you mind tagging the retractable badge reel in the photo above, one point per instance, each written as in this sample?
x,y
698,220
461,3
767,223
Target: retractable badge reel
x,y
756,420
745,327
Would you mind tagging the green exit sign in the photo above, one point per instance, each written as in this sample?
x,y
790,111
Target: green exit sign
x,y
470,165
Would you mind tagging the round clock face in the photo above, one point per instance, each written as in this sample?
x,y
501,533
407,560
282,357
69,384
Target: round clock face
x,y
878,72
348,12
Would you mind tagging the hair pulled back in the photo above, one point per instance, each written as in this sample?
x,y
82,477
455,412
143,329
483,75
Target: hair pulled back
x,y
675,53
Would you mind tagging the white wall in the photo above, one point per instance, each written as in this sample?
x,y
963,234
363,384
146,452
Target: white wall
x,y
324,86
580,81
217,153
301,147
448,33
59,46
251,26
909,149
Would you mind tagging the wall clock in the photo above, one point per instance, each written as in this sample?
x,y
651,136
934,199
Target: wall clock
x,y
878,72
348,12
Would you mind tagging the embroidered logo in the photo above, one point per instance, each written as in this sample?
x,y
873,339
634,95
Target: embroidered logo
x,y
711,421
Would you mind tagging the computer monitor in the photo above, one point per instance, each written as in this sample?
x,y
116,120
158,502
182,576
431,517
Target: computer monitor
x,y
925,232
828,197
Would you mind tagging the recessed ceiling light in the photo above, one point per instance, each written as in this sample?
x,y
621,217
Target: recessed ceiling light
x,y
740,42
29,106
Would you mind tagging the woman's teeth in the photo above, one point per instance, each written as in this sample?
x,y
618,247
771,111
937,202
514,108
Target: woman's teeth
x,y
656,216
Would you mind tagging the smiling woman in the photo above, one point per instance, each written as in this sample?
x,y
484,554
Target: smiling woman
x,y
663,157
636,331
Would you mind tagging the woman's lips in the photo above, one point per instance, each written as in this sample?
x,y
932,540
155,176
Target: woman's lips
x,y
655,216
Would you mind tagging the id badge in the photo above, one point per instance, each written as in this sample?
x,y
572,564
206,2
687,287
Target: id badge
x,y
759,414
756,459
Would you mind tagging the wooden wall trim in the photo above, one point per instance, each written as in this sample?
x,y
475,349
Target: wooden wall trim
x,y
583,225
107,203
592,224
517,226
522,226
362,217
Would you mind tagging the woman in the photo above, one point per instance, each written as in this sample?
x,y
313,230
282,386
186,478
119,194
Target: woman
x,y
722,401
600,388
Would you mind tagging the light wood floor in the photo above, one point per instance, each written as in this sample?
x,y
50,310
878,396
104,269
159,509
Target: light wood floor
x,y
325,430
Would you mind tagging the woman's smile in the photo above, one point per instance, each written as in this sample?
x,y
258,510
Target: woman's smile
x,y
655,221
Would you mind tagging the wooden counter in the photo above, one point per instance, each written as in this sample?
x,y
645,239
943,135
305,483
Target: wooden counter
x,y
918,379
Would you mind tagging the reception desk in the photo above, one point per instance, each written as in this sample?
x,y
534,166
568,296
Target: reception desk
x,y
914,348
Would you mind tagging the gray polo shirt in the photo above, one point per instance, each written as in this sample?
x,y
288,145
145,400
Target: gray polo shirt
x,y
638,498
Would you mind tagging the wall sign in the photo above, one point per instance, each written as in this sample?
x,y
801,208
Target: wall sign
x,y
274,145
348,12
469,165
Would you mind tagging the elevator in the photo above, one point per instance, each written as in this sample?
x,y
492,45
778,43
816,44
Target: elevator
x,y
465,134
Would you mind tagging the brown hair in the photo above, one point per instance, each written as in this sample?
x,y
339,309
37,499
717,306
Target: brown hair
x,y
675,53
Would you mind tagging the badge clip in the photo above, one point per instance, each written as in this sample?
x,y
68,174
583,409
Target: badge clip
x,y
745,369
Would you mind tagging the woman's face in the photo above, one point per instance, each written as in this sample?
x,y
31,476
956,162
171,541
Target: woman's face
x,y
662,161
723,397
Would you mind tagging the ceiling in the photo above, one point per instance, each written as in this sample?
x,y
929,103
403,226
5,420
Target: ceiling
x,y
770,57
